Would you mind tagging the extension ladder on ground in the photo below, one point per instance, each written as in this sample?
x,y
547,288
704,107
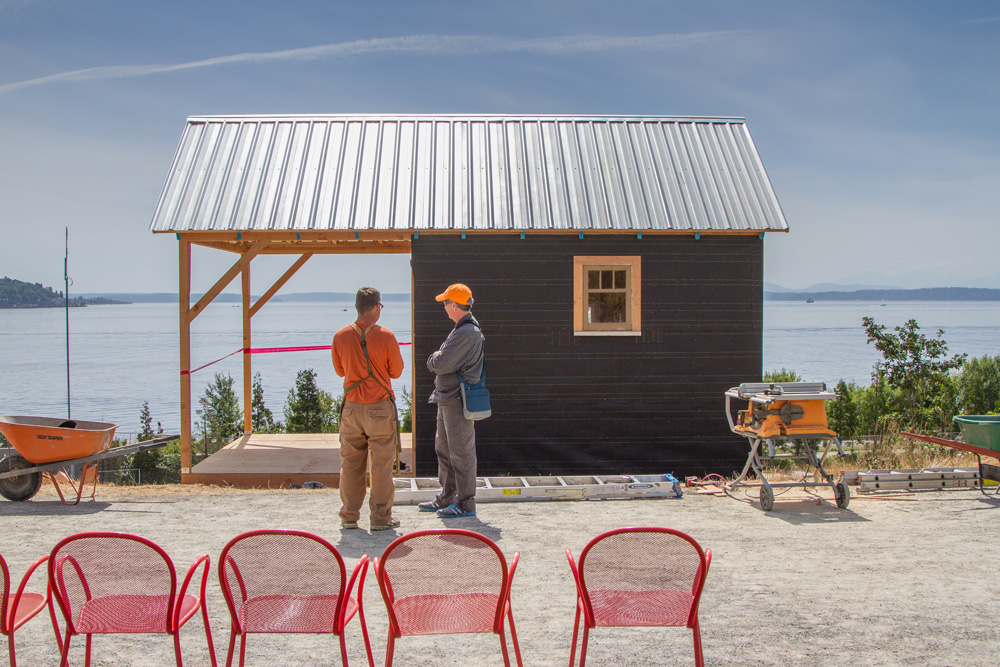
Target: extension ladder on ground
x,y
410,491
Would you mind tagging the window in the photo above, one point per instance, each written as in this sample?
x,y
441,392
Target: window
x,y
607,296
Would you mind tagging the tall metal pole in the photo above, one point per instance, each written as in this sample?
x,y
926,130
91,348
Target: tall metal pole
x,y
69,411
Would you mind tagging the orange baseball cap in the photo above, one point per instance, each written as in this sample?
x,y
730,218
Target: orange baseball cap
x,y
458,293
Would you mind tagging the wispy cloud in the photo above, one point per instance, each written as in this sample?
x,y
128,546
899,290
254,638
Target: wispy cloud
x,y
407,45
988,19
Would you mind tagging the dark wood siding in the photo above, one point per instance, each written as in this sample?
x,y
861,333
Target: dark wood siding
x,y
565,404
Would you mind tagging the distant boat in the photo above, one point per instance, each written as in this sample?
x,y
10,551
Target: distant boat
x,y
810,300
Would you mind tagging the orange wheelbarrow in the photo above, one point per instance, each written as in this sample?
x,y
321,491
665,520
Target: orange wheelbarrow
x,y
49,447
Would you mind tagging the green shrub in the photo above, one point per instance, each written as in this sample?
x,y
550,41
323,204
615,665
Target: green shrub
x,y
978,386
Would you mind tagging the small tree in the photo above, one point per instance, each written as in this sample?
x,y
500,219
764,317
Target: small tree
x,y
261,418
916,367
978,385
309,409
842,414
782,376
406,419
221,417
150,462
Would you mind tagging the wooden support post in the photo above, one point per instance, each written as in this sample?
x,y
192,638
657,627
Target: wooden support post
x,y
247,369
184,300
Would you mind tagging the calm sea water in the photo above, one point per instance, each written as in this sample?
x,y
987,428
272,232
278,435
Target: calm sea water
x,y
121,356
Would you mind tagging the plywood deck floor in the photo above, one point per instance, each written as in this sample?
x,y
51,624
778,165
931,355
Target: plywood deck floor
x,y
276,460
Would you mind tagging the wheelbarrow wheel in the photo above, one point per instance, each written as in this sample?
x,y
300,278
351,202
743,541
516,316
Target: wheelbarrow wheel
x,y
22,487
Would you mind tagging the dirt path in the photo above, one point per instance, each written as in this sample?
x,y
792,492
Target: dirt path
x,y
886,582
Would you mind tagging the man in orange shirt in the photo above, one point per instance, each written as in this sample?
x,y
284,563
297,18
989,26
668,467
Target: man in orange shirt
x,y
367,356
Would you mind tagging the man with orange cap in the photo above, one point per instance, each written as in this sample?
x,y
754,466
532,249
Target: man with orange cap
x,y
455,442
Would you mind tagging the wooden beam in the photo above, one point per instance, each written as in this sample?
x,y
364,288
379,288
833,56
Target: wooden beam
x,y
247,369
342,248
280,283
184,301
227,278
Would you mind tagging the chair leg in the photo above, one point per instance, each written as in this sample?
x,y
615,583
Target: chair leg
x,y
177,648
10,649
699,657
208,633
583,645
64,662
55,622
503,648
390,646
364,633
513,636
86,662
232,648
343,649
576,628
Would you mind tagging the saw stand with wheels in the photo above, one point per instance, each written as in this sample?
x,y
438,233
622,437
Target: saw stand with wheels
x,y
793,411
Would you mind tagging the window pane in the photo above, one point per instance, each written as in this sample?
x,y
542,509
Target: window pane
x,y
606,281
593,279
619,280
607,308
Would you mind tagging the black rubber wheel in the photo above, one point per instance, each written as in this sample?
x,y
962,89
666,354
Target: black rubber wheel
x,y
843,495
22,487
766,497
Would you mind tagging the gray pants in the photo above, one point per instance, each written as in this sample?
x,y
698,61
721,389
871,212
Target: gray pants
x,y
455,446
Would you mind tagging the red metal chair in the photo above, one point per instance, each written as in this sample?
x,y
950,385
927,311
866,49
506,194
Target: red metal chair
x,y
446,581
110,583
639,577
282,581
21,607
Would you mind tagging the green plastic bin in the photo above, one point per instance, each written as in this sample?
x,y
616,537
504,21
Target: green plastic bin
x,y
980,430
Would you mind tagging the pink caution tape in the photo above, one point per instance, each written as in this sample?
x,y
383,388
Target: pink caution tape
x,y
267,350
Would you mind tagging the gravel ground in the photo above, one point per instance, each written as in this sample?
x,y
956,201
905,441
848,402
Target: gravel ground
x,y
905,581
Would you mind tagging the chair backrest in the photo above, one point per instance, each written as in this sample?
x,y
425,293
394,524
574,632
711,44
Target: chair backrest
x,y
434,564
91,565
643,559
290,563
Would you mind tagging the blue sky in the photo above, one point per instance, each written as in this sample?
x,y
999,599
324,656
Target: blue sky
x,y
876,121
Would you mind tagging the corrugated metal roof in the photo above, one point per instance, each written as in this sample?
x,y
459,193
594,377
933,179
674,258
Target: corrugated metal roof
x,y
466,173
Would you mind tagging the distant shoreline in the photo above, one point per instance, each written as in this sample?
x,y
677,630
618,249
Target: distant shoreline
x,y
228,297
923,294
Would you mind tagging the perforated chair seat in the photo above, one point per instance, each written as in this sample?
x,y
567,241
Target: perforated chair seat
x,y
129,613
617,608
446,614
292,613
30,604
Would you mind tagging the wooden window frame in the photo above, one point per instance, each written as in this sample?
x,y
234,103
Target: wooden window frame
x,y
633,325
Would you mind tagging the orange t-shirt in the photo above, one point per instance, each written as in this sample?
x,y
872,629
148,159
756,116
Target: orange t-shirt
x,y
349,360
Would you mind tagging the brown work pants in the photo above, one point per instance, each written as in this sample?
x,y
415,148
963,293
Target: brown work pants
x,y
367,429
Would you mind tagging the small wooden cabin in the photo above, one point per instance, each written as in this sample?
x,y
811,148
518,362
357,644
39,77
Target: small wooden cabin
x,y
616,263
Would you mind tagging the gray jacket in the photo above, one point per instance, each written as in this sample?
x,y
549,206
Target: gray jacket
x,y
461,351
